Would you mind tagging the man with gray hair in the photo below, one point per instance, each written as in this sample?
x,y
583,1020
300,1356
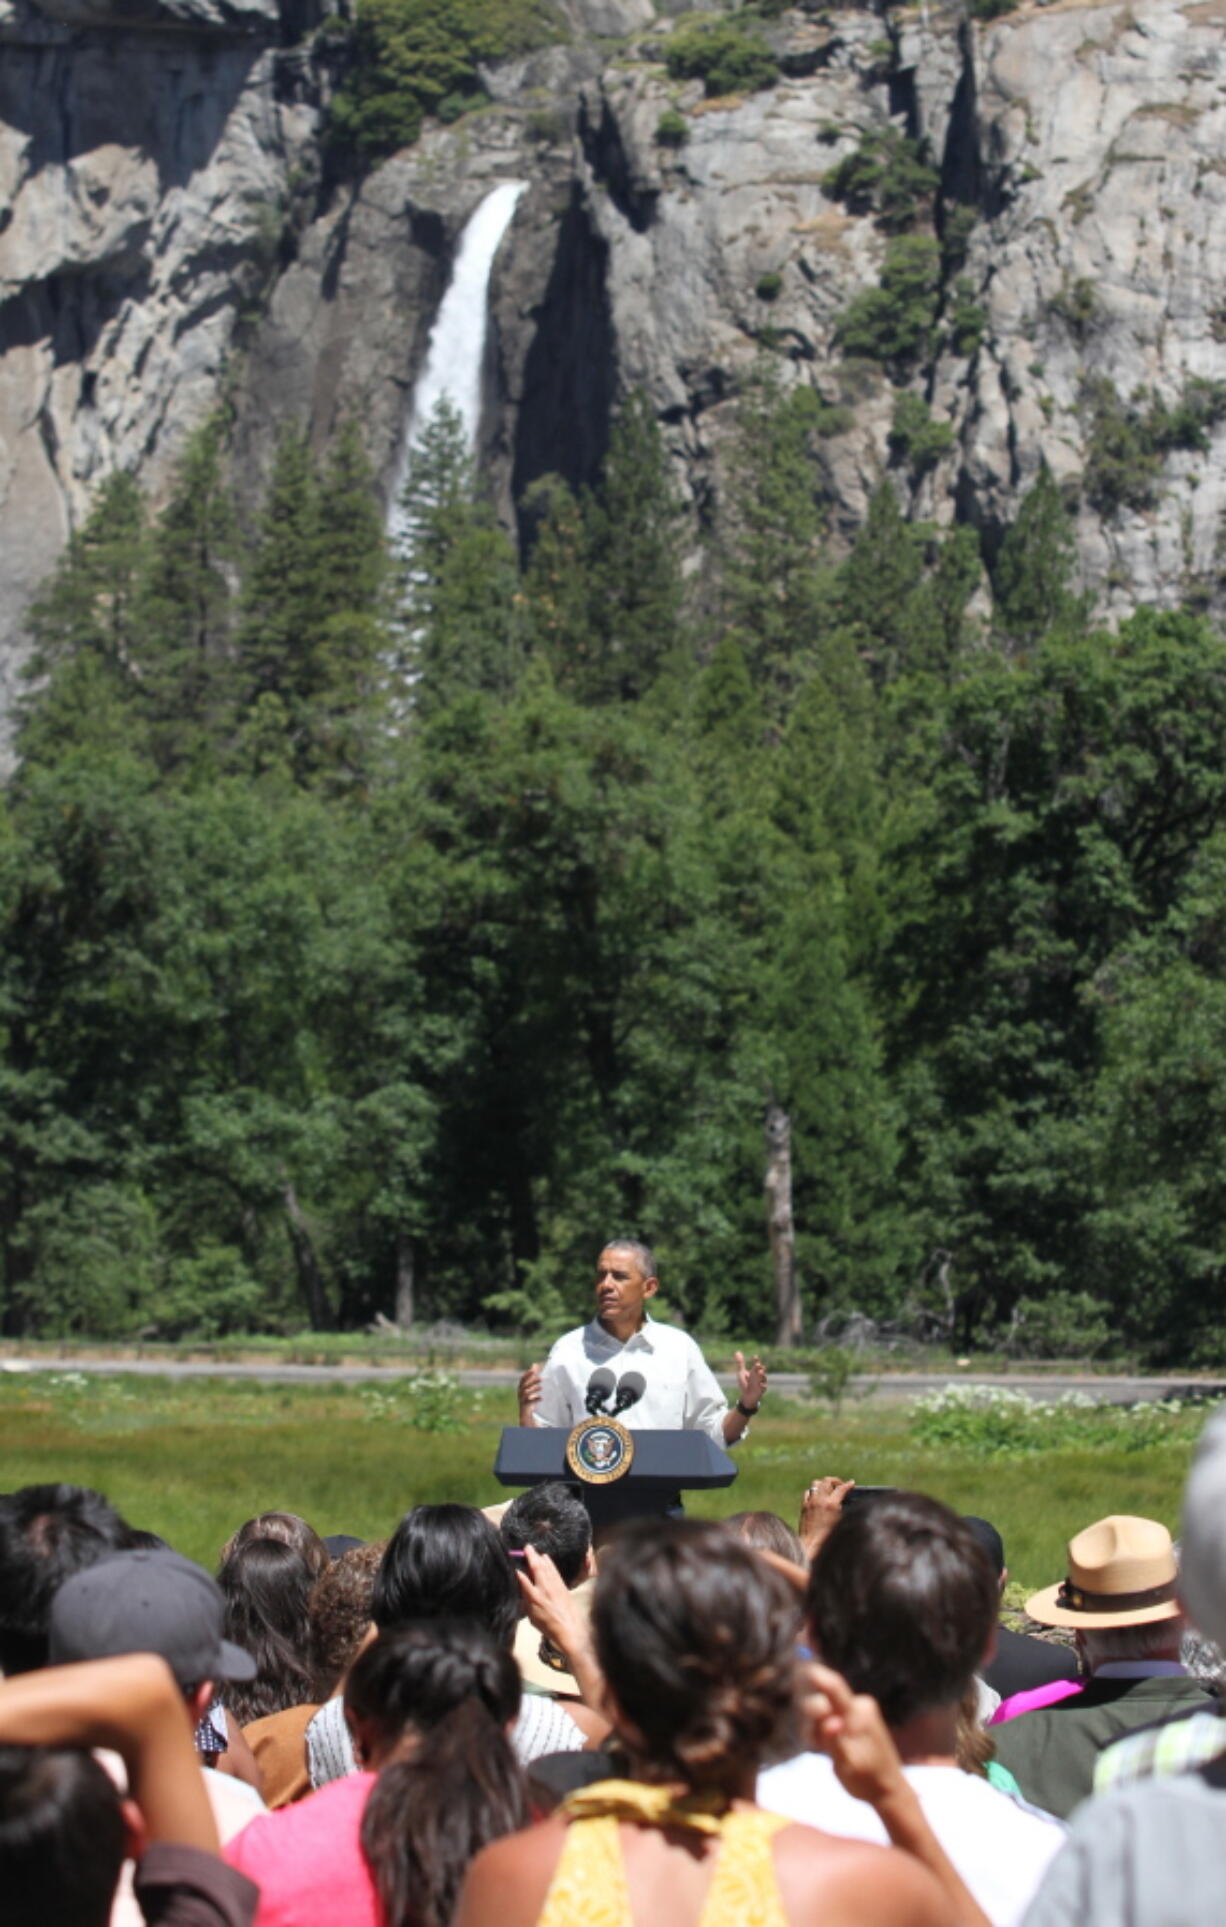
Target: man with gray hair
x,y
1119,1599
1152,1852
679,1391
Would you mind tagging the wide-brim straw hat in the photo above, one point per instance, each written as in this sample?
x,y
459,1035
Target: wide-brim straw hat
x,y
1121,1572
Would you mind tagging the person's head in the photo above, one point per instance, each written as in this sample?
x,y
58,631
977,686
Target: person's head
x,y
695,1635
902,1601
149,1602
429,1706
553,1519
1119,1594
339,1611
1202,1541
266,1585
994,1546
625,1280
447,1562
63,1839
290,1530
47,1532
767,1532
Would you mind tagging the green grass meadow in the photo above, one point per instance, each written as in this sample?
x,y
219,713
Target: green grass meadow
x,y
192,1459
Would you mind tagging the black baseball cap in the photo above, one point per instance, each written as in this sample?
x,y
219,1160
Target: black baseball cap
x,y
147,1602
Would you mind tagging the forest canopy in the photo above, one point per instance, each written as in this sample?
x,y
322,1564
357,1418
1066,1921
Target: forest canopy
x,y
376,941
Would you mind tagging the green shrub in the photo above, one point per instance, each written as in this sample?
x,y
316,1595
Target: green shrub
x,y
410,58
992,1422
831,1378
1064,1324
1076,303
967,320
672,128
769,286
887,175
1128,443
916,437
723,56
893,322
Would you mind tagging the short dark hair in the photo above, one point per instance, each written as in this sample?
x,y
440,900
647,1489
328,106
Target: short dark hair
x,y
447,1562
644,1256
62,1839
553,1519
47,1533
902,1601
696,1637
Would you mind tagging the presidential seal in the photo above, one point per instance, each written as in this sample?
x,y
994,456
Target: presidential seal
x,y
600,1450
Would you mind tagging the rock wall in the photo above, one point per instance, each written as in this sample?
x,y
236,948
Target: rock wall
x,y
165,239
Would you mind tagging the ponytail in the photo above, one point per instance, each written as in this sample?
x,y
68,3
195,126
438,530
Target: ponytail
x,y
445,1687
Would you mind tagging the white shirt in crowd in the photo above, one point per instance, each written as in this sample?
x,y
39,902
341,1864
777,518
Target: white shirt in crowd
x,y
999,1844
541,1726
683,1393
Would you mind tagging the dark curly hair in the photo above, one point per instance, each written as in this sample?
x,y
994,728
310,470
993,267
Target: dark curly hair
x,y
902,1600
442,1694
339,1612
696,1637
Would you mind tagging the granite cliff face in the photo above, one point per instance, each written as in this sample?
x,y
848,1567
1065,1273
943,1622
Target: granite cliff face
x,y
165,238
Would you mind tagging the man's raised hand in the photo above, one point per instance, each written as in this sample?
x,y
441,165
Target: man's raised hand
x,y
751,1382
529,1394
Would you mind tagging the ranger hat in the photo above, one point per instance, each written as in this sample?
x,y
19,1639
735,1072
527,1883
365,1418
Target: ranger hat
x,y
1121,1572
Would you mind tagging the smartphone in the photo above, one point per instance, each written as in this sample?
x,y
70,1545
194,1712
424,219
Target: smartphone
x,y
865,1494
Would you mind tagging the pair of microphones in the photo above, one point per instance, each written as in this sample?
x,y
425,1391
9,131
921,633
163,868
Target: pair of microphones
x,y
603,1386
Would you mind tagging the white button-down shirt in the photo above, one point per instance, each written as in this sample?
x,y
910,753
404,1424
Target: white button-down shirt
x,y
683,1393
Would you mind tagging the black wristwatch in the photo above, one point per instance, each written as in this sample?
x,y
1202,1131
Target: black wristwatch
x,y
748,1411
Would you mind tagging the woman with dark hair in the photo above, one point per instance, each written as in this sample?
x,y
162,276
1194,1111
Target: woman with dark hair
x,y
291,1530
429,1707
266,1586
696,1638
446,1561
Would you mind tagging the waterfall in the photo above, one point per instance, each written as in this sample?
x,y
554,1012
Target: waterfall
x,y
456,348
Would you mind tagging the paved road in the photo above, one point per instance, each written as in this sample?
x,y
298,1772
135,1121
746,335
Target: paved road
x,y
894,1386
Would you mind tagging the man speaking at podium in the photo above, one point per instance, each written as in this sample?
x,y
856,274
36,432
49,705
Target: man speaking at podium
x,y
648,1374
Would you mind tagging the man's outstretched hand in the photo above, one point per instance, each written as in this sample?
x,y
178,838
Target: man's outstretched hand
x,y
529,1394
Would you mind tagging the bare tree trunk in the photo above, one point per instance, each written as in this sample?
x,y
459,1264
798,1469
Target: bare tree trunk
x,y
406,1275
310,1277
777,1184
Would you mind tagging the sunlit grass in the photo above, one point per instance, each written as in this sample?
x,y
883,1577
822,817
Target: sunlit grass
x,y
192,1459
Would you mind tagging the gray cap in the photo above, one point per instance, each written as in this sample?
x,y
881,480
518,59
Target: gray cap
x,y
1202,1548
146,1602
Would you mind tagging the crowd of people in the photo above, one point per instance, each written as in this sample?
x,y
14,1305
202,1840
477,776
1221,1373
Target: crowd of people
x,y
488,1721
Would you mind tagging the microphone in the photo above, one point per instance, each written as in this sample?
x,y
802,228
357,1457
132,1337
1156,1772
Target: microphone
x,y
599,1387
629,1391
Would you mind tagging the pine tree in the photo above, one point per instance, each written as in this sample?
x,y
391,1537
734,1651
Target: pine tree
x,y
87,630
775,587
1035,566
634,577
190,605
461,615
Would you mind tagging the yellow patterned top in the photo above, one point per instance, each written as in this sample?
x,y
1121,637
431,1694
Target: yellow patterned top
x,y
588,1888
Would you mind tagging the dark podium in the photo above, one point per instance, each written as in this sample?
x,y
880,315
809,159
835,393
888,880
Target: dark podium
x,y
665,1465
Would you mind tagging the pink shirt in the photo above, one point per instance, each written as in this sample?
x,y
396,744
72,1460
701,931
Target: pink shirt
x,y
307,1860
1034,1697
